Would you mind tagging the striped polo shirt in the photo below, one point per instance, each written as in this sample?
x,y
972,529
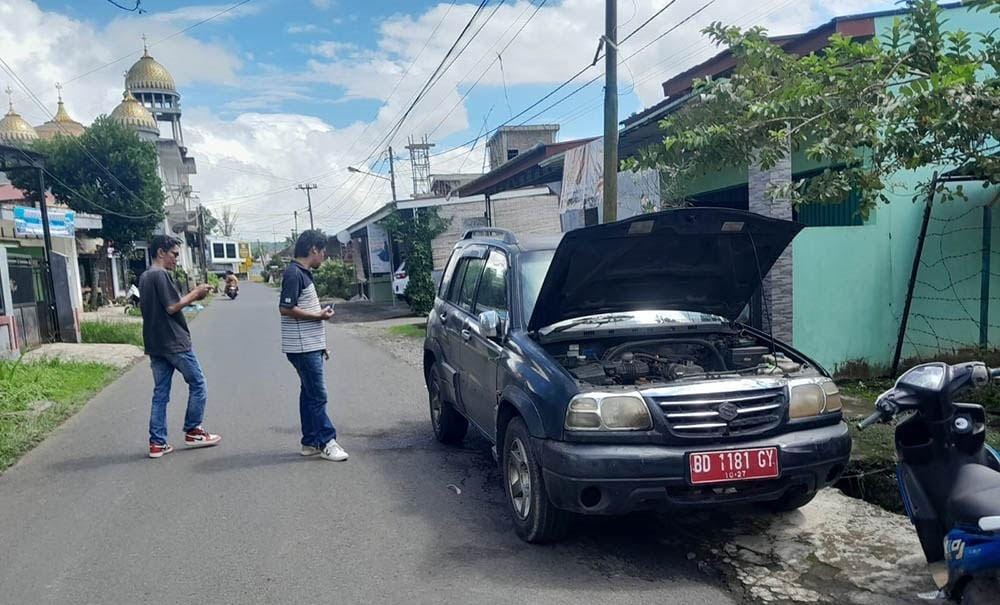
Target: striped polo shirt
x,y
299,290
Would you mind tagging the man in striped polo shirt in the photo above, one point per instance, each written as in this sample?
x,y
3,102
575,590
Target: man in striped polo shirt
x,y
303,341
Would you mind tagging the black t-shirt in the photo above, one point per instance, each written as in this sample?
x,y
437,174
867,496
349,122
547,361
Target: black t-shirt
x,y
162,332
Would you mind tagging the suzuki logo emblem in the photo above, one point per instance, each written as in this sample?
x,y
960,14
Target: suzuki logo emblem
x,y
728,411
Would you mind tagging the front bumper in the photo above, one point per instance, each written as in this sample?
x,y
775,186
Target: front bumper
x,y
617,479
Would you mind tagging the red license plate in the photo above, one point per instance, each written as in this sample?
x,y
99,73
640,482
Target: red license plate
x,y
733,465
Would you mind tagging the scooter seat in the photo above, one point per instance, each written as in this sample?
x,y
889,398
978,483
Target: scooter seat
x,y
975,494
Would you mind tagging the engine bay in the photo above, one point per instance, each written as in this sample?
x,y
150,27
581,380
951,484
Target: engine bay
x,y
664,359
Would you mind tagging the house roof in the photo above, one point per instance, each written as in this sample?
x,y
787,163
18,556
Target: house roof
x,y
523,170
11,194
384,211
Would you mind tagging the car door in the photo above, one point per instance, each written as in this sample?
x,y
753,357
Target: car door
x,y
482,354
455,314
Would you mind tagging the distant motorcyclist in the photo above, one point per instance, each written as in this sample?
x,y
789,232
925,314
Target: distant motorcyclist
x,y
232,284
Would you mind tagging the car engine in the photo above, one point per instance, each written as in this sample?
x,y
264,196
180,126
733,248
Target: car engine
x,y
658,360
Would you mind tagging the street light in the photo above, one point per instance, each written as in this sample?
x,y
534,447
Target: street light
x,y
359,171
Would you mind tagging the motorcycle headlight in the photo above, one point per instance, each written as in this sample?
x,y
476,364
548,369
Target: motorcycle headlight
x,y
608,412
810,397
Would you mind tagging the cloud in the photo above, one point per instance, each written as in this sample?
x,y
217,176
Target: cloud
x,y
251,156
309,28
194,13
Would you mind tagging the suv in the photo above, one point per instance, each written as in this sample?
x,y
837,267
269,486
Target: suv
x,y
610,372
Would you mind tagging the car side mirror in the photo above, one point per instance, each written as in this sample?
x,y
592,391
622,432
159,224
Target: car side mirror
x,y
489,322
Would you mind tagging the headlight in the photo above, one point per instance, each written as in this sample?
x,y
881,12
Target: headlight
x,y
812,396
608,412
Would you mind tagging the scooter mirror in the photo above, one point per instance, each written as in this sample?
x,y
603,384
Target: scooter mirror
x,y
927,377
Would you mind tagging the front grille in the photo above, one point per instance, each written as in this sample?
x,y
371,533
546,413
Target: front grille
x,y
734,414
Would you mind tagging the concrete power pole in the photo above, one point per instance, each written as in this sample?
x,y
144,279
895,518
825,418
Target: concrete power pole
x,y
392,175
296,232
611,111
307,188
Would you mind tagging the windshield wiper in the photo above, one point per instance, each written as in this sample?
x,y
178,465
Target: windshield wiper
x,y
596,321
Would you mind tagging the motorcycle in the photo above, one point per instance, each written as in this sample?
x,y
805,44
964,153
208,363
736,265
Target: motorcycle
x,y
948,477
232,291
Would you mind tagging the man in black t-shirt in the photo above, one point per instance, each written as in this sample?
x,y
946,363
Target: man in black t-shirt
x,y
168,344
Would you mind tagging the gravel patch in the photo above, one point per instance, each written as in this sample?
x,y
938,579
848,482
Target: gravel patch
x,y
119,356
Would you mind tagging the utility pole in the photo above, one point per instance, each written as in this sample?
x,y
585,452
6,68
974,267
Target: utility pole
x,y
307,188
201,242
392,175
611,111
295,233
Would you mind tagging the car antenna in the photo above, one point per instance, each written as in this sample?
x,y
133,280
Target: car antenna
x,y
763,299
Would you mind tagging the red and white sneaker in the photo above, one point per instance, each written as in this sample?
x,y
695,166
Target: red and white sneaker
x,y
157,450
199,437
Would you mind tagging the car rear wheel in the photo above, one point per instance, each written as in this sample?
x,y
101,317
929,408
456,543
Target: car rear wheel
x,y
536,519
449,426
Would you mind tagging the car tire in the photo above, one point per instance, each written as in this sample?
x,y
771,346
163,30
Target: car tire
x,y
793,500
536,519
449,426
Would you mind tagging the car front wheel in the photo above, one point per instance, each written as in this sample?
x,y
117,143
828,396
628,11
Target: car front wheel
x,y
449,426
536,519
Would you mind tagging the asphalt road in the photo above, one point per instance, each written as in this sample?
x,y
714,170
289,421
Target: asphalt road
x,y
87,518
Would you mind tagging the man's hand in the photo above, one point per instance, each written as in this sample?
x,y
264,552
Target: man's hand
x,y
326,313
326,355
202,291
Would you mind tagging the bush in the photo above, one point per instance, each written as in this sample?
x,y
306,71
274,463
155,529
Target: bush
x,y
107,332
214,281
334,279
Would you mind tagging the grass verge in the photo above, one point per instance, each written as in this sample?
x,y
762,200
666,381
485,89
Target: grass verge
x,y
109,332
67,386
409,330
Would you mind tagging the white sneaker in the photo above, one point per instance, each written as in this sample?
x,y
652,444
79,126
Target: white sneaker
x,y
308,450
334,452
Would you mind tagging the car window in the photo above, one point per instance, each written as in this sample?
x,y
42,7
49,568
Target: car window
x,y
455,285
493,285
448,273
470,279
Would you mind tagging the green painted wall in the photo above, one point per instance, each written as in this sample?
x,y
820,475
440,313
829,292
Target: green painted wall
x,y
850,282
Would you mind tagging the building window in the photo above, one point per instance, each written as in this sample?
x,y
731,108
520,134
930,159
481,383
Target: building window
x,y
511,154
231,251
845,213
218,250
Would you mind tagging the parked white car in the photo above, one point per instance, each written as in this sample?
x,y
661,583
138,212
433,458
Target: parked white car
x,y
400,279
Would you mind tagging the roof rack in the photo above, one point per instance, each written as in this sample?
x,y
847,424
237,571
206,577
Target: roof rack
x,y
507,236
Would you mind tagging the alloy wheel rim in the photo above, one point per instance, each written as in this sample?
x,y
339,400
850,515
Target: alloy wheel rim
x,y
519,478
436,405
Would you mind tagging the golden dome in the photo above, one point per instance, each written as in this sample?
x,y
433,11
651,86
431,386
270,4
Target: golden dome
x,y
61,123
147,74
133,114
14,130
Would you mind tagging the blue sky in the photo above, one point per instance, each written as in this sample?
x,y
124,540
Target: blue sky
x,y
277,91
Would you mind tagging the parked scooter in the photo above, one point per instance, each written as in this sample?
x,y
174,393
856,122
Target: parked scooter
x,y
949,478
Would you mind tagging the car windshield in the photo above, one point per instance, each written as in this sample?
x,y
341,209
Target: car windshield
x,y
634,319
533,267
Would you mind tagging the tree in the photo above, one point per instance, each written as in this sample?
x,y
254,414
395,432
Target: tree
x,y
916,98
211,223
106,171
414,236
227,224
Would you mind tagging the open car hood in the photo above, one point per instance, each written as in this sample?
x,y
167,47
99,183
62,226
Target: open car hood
x,y
694,259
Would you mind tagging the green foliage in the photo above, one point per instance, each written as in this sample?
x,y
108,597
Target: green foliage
x,y
181,278
130,199
334,279
414,236
109,332
215,281
66,385
918,97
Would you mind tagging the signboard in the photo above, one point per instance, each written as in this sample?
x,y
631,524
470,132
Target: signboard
x,y
379,253
28,222
245,251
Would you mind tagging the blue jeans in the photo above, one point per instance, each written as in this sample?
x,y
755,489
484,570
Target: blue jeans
x,y
163,375
317,430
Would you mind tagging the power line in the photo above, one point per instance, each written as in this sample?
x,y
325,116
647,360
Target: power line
x,y
171,36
